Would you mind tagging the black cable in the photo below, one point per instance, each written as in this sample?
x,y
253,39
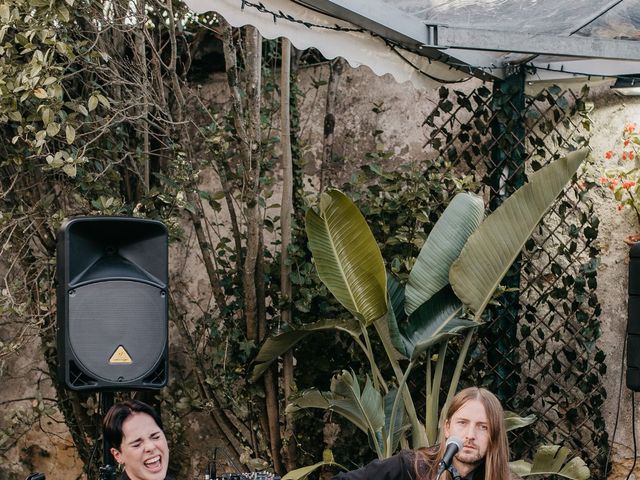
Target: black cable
x,y
232,462
281,16
422,72
633,430
95,442
615,426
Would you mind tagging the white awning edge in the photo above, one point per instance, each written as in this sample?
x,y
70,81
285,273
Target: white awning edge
x,y
357,48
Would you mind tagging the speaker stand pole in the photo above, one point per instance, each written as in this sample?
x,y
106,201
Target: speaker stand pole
x,y
108,470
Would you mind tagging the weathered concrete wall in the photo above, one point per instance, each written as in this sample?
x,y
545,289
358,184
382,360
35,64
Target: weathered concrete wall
x,y
27,406
610,115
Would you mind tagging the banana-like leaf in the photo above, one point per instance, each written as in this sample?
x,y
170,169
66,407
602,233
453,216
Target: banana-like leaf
x,y
430,273
362,408
275,346
369,401
347,256
494,246
436,320
313,398
396,315
513,421
304,472
552,460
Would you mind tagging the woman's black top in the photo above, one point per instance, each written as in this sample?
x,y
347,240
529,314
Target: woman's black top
x,y
124,476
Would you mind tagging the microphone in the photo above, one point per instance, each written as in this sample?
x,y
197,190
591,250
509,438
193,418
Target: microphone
x,y
453,445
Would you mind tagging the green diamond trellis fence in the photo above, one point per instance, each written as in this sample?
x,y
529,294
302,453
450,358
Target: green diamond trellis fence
x,y
538,350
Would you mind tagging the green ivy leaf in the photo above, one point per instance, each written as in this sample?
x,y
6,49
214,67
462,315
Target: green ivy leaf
x,y
70,134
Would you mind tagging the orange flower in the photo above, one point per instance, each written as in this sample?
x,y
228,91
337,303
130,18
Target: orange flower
x,y
603,180
625,155
620,206
626,142
627,184
630,127
608,154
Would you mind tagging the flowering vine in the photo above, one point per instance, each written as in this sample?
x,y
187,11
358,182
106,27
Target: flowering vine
x,y
623,180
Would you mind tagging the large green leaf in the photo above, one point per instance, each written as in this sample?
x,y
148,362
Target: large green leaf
x,y
430,273
313,398
362,408
436,320
347,256
552,460
513,421
494,246
275,346
303,472
369,400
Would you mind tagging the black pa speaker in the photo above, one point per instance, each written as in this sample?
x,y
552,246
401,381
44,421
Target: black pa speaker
x,y
633,320
112,303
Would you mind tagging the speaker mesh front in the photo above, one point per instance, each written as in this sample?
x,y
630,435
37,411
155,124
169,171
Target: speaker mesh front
x,y
106,315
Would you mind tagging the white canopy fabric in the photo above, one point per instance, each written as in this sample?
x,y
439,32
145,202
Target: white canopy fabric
x,y
581,40
356,47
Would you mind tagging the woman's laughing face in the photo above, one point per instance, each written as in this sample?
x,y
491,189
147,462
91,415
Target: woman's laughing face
x,y
144,451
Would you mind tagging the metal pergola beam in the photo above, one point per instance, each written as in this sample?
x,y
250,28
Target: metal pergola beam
x,y
443,36
403,29
465,47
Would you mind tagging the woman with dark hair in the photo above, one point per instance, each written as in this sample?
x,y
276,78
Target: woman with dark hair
x,y
133,429
476,418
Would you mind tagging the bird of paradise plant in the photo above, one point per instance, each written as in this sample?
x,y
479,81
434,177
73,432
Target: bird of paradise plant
x,y
453,279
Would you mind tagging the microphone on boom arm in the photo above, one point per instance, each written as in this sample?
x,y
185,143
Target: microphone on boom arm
x,y
453,446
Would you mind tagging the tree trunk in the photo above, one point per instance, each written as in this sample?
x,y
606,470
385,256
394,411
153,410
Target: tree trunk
x,y
335,72
286,211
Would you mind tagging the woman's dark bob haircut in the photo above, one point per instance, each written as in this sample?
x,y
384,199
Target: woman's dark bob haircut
x,y
118,413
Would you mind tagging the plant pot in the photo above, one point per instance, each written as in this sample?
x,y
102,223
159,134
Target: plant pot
x,y
632,239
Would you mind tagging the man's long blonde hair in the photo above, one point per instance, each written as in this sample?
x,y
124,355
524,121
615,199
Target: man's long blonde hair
x,y
496,462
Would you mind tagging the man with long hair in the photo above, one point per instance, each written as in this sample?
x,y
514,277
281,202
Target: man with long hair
x,y
475,417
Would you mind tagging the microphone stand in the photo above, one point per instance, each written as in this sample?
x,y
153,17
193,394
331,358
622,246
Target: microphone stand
x,y
108,469
441,469
453,445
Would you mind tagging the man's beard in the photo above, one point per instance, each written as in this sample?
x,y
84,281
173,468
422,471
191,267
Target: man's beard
x,y
473,458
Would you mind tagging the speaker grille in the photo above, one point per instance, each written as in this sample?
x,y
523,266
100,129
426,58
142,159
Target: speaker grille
x,y
106,315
